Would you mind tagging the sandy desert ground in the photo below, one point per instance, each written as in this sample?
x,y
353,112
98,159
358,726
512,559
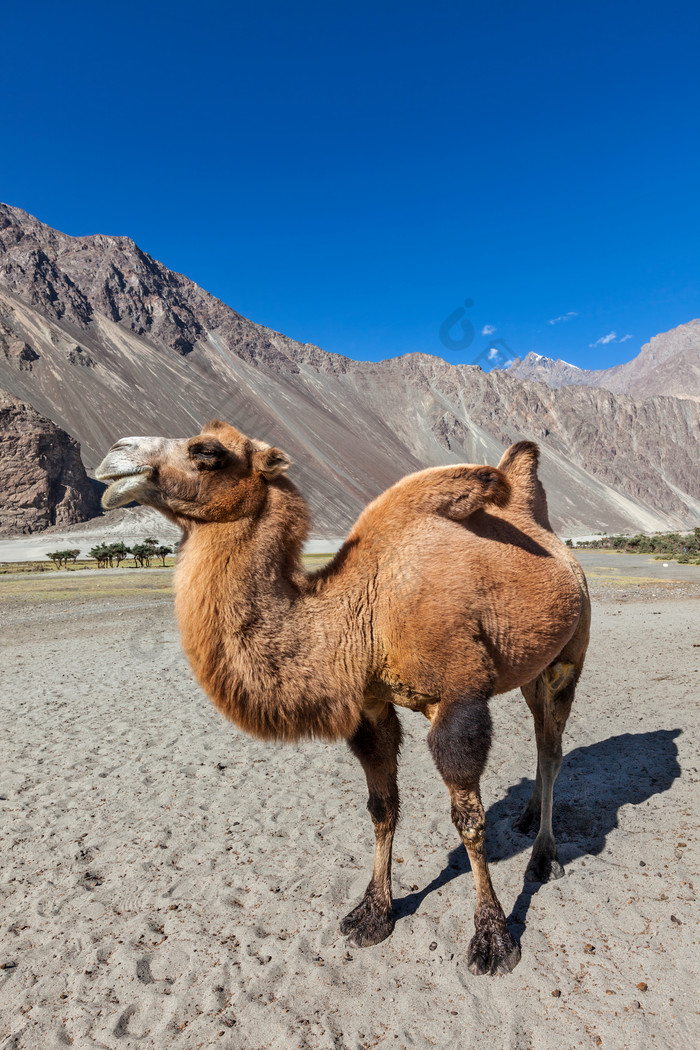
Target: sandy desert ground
x,y
168,883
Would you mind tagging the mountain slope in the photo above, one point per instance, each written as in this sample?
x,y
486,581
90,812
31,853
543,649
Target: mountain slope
x,y
106,341
669,364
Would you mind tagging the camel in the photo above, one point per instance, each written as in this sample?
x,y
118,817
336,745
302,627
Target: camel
x,y
450,588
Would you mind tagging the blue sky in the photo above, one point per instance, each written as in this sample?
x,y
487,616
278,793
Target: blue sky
x,y
351,174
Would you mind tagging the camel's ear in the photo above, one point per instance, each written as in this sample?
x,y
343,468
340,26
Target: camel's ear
x,y
271,462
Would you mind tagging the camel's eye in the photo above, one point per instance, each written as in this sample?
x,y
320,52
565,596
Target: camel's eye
x,y
209,455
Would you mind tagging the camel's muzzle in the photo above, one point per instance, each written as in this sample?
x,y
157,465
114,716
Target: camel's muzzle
x,y
124,490
124,467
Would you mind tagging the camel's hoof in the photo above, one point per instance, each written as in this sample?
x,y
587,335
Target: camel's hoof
x,y
366,925
493,951
543,868
525,822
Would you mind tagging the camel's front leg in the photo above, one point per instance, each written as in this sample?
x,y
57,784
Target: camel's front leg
x,y
376,744
459,740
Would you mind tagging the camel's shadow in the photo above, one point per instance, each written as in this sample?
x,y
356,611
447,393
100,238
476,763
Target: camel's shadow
x,y
595,781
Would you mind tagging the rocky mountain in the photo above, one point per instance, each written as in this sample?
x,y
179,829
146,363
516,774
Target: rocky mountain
x,y
668,364
42,477
101,338
555,373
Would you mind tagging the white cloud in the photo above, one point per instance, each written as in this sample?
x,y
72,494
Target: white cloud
x,y
604,339
488,329
493,353
611,337
564,317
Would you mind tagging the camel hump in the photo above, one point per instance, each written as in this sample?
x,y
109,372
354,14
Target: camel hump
x,y
455,492
520,460
519,464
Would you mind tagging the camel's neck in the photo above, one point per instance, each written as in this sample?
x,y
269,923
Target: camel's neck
x,y
249,563
263,646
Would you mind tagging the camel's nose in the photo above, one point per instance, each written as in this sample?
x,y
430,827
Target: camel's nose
x,y
135,455
126,456
123,443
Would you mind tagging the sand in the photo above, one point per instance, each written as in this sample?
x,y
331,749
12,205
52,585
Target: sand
x,y
169,883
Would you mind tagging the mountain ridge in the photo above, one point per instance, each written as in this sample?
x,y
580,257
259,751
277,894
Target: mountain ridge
x,y
106,341
669,364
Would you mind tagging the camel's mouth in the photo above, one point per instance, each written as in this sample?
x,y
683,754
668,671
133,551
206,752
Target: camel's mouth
x,y
117,475
125,487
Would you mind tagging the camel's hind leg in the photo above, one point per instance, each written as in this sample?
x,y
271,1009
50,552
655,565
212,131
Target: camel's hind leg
x,y
459,740
376,743
549,698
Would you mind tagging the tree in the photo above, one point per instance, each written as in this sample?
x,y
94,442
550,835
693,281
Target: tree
x,y
150,547
101,555
136,552
117,552
61,558
162,552
142,554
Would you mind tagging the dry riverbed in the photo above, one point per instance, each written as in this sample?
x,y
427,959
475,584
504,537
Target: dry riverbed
x,y
168,883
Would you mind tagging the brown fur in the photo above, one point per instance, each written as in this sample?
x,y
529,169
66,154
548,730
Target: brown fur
x,y
450,588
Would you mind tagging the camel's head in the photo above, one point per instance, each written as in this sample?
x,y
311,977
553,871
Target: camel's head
x,y
219,475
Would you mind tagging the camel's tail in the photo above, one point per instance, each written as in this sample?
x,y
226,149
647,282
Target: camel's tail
x,y
519,464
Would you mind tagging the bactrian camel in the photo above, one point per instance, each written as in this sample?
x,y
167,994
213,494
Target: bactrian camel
x,y
450,588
